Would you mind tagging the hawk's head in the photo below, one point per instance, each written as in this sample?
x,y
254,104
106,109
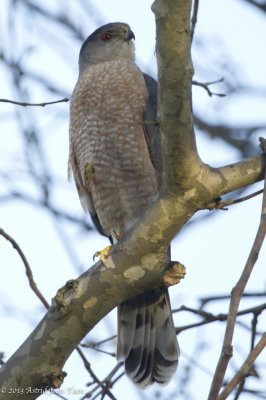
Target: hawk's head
x,y
109,42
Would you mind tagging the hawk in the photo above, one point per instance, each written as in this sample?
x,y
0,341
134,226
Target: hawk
x,y
117,165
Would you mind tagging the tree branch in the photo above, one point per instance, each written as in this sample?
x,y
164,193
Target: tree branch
x,y
27,267
19,103
194,18
75,310
209,317
234,176
205,300
175,71
237,293
220,205
243,372
206,87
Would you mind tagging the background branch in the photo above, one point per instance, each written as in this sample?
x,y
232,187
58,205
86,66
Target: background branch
x,y
27,268
220,205
237,293
244,371
194,17
19,103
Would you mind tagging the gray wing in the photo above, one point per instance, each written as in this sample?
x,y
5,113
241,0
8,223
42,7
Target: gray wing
x,y
84,194
152,132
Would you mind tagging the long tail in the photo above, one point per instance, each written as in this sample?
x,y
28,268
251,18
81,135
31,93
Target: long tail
x,y
146,338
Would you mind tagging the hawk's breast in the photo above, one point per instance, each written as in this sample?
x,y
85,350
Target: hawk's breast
x,y
106,133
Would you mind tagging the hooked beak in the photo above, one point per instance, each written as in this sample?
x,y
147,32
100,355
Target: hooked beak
x,y
130,35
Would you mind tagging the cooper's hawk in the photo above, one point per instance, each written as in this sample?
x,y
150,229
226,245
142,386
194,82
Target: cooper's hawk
x,y
116,163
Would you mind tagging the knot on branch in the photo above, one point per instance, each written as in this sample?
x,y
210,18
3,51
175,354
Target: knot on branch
x,y
173,273
54,380
228,351
217,204
64,296
253,372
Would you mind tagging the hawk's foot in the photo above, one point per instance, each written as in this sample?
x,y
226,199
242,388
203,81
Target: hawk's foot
x,y
103,254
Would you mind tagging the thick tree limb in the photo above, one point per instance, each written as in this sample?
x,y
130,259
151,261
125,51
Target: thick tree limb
x,y
78,306
175,71
234,176
136,264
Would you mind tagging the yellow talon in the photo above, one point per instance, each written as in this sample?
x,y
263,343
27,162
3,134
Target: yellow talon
x,y
103,254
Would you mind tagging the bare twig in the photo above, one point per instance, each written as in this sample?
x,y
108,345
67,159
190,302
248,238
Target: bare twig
x,y
194,17
95,346
13,195
27,267
94,377
237,293
240,389
220,205
209,317
103,341
244,371
19,103
57,18
206,87
205,300
107,382
89,346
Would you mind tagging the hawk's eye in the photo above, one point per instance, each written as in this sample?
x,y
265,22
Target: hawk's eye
x,y
106,36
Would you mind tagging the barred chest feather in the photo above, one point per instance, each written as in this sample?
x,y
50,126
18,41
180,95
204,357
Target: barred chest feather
x,y
106,134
